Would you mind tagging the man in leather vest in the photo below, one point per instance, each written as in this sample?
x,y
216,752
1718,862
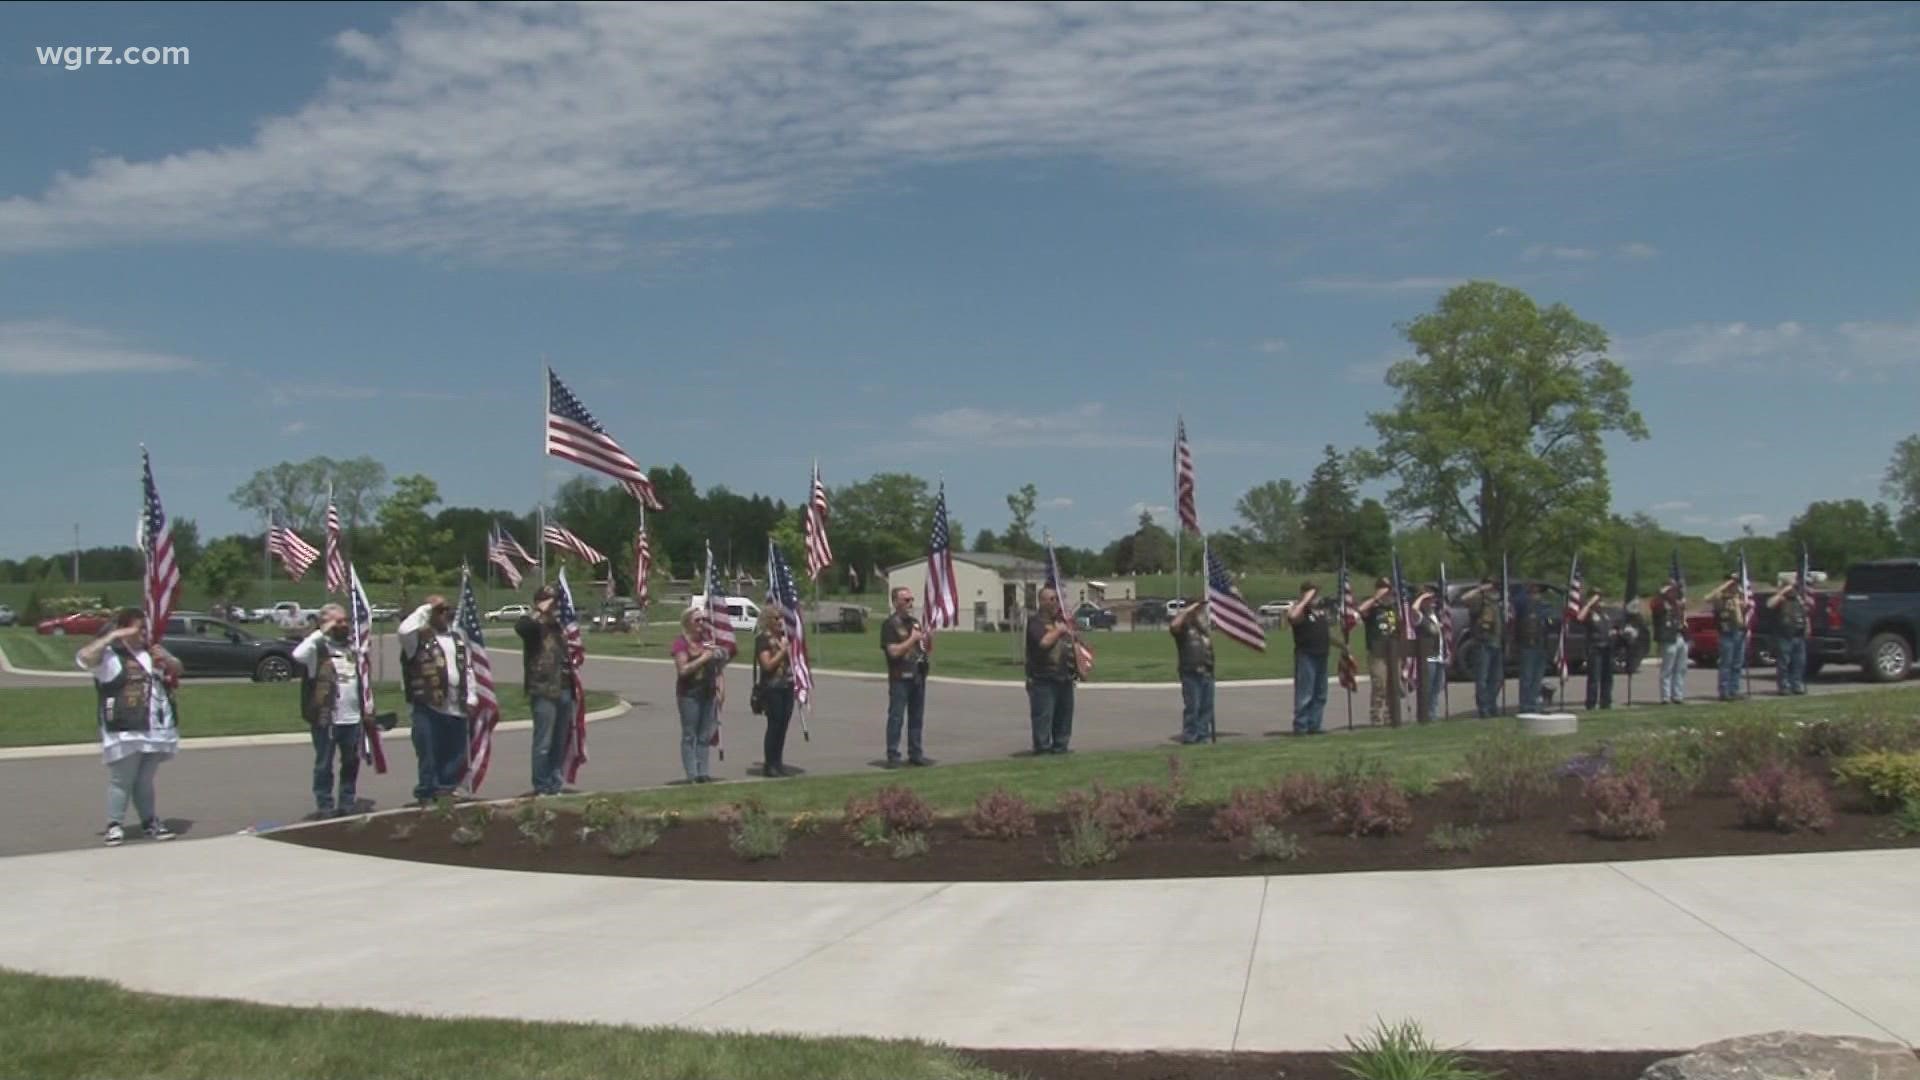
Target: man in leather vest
x,y
549,673
1050,675
904,641
1193,645
1489,651
330,704
1670,635
1790,667
441,690
1730,613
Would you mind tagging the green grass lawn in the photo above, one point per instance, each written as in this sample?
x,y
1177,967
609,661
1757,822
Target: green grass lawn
x,y
68,1029
1419,755
43,716
1119,656
32,652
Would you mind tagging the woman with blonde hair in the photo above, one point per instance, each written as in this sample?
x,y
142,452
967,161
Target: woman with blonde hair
x,y
698,663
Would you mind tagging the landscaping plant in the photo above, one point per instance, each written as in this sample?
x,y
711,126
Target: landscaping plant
x,y
467,835
1675,763
900,809
1507,772
1782,798
999,815
1248,809
1625,807
629,835
1365,799
911,845
1888,780
1404,1052
1086,843
1455,838
1268,844
759,835
535,824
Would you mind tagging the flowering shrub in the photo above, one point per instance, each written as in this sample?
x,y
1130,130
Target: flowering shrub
x,y
1302,793
900,809
999,815
1747,744
1625,807
1783,798
1126,814
1366,801
757,834
1674,764
1889,780
1249,809
1846,736
1507,772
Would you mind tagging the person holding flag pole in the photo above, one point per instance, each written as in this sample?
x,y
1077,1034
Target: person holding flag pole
x,y
1500,632
1569,615
1349,618
1669,612
1794,602
1630,607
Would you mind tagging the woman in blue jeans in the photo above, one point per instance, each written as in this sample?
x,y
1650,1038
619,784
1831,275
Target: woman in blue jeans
x,y
698,688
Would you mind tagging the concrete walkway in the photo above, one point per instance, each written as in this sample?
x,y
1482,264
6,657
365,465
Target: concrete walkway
x,y
1633,955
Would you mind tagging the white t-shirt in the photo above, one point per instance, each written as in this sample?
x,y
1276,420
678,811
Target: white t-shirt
x,y
161,736
414,632
346,708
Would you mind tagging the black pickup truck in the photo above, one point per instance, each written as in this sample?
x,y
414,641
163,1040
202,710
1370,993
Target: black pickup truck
x,y
1879,621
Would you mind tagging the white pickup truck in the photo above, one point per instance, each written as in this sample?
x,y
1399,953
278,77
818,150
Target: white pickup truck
x,y
289,615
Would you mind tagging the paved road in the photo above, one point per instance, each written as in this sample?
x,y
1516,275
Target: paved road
x,y
1657,954
54,803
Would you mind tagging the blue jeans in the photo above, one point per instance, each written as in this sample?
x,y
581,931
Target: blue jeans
x,y
1433,683
1533,668
552,733
1733,662
906,705
1790,670
330,739
132,776
440,746
1196,706
1673,670
1489,674
1051,703
1309,692
698,717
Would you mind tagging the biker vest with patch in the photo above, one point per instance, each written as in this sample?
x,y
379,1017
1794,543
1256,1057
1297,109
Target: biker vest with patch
x,y
126,701
320,689
549,665
427,678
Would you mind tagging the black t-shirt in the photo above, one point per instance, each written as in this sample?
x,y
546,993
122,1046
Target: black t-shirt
x,y
893,632
1310,634
781,677
1382,620
1044,661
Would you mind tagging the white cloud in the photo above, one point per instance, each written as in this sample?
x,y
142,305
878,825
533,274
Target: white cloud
x,y
1503,230
1058,502
1638,249
1558,253
479,132
1696,519
1424,283
1083,427
1671,507
1870,351
57,347
294,428
1271,346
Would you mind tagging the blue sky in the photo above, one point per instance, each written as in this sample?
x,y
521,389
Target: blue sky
x,y
999,243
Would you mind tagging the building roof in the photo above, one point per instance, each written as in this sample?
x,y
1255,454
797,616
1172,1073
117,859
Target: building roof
x,y
990,560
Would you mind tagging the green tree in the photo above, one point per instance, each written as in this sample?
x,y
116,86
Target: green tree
x,y
1837,534
1019,538
408,539
1327,522
1902,485
225,571
882,521
1496,440
292,491
358,485
1372,538
1151,549
984,541
1271,530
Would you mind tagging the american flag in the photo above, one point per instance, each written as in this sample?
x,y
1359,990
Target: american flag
x,y
942,599
156,542
361,618
1228,611
1349,611
293,552
561,537
500,549
642,561
336,557
783,594
1403,608
569,619
1183,479
573,434
1676,575
1446,619
717,616
1746,590
1802,586
513,548
819,552
1570,614
1082,655
482,719
1506,599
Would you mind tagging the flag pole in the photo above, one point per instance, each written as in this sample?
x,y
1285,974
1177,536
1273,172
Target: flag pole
x,y
1446,650
546,395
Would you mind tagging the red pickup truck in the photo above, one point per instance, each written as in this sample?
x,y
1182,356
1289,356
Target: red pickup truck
x,y
1703,633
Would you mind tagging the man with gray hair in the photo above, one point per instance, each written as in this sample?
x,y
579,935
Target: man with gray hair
x,y
330,704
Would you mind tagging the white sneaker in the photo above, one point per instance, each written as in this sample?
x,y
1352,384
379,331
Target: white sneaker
x,y
115,835
158,830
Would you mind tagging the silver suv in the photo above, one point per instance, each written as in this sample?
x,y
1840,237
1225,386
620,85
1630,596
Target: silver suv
x,y
7,617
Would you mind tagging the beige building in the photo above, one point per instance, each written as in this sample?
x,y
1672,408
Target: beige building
x,y
997,591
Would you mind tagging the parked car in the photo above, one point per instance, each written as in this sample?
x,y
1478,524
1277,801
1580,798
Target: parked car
x,y
7,617
208,646
744,612
383,614
1873,622
79,624
1176,605
829,617
1703,642
509,613
1094,617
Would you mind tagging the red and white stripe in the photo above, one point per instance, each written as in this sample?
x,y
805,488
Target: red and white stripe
x,y
336,558
642,562
1230,614
563,538
294,553
719,620
162,580
360,622
1183,498
500,554
819,552
942,592
484,717
569,618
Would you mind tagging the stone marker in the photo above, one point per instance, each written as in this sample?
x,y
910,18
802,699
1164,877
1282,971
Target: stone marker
x,y
1791,1055
1552,723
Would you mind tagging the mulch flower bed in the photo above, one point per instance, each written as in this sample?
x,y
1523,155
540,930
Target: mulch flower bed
x,y
1084,1065
1553,828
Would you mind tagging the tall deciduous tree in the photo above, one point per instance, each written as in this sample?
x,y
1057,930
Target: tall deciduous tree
x,y
226,569
1327,522
1019,538
882,521
408,540
1902,485
1497,439
1842,532
1270,513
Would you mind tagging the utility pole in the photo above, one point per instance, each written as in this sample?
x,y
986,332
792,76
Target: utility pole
x,y
76,554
